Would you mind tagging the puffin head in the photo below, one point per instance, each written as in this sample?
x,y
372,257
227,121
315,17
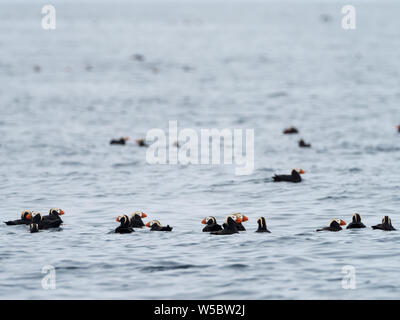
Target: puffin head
x,y
34,227
36,217
56,212
337,222
26,215
262,222
301,171
123,219
139,214
356,218
240,217
209,220
153,222
387,220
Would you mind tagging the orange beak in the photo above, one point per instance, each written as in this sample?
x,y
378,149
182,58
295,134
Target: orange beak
x,y
127,138
29,216
62,212
245,219
117,219
148,224
342,222
204,221
144,215
239,220
302,171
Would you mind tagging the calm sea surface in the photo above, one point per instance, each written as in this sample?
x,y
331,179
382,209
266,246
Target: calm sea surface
x,y
264,66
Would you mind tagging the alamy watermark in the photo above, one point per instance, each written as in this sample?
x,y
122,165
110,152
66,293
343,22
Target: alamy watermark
x,y
49,17
349,19
188,147
49,280
349,279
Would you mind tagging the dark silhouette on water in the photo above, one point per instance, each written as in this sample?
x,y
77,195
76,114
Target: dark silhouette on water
x,y
120,141
386,225
155,225
291,130
211,224
356,222
141,143
294,177
334,226
262,225
302,144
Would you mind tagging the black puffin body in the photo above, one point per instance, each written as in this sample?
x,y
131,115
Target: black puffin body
x,y
262,225
141,143
291,130
136,220
124,225
386,225
356,222
334,226
33,228
294,177
211,224
230,227
302,144
26,218
44,224
155,225
121,141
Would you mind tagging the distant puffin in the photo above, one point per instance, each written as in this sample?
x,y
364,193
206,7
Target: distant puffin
x,y
211,224
136,219
124,224
54,215
155,225
335,225
141,143
294,177
386,225
302,144
242,218
26,218
44,224
262,225
356,222
121,141
291,130
230,226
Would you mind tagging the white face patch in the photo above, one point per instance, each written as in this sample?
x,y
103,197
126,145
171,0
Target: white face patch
x,y
210,218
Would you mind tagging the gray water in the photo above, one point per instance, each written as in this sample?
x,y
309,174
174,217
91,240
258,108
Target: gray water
x,y
263,66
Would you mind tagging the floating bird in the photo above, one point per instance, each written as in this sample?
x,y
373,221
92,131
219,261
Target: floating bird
x,y
54,215
141,143
124,224
294,177
242,218
356,222
211,224
136,219
262,225
302,144
155,225
335,225
26,218
386,225
138,57
121,141
44,224
291,130
230,226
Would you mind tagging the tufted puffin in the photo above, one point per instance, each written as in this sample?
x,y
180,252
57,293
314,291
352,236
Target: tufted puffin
x,y
262,225
44,224
302,144
335,225
26,218
243,218
230,226
386,224
33,228
356,222
54,215
121,141
211,224
294,177
141,143
136,219
155,225
125,224
291,130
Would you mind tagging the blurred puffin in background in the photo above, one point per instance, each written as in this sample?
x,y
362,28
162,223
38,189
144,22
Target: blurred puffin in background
x,y
335,225
120,141
291,130
294,177
303,144
141,143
